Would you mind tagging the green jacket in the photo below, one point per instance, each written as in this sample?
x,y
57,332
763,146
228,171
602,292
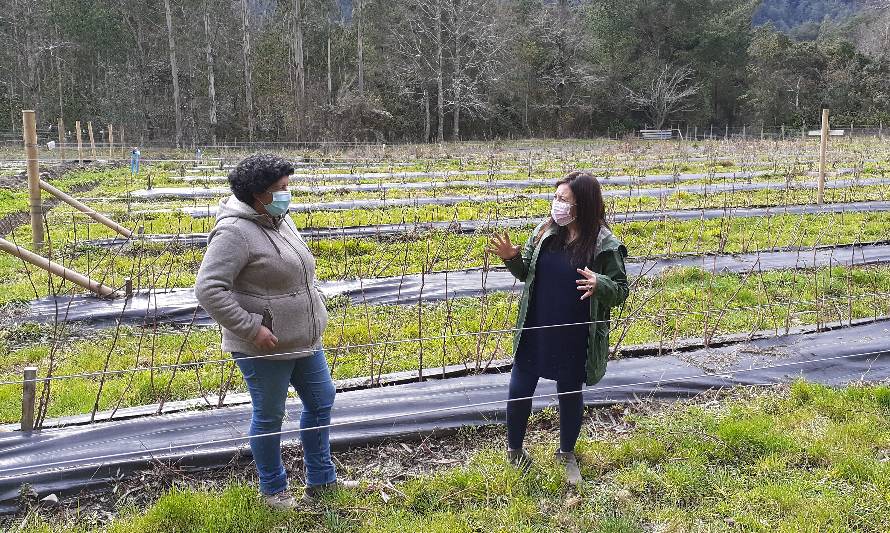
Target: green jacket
x,y
611,291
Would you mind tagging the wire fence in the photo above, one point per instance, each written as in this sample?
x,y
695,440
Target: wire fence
x,y
167,267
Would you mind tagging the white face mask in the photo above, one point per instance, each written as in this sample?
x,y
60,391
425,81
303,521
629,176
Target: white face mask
x,y
561,212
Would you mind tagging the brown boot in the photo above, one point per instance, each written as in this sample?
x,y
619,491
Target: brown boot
x,y
573,472
520,459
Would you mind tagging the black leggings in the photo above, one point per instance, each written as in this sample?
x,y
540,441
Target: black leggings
x,y
571,409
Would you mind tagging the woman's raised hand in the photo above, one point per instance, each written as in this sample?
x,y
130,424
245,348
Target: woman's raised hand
x,y
501,246
588,284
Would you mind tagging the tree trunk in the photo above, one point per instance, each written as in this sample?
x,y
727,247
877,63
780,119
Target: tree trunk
x,y
360,48
174,72
32,90
58,58
211,77
299,64
426,115
299,56
330,76
248,84
139,72
440,75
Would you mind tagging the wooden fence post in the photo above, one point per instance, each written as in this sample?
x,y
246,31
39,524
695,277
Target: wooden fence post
x,y
110,141
79,142
29,133
61,139
29,396
92,139
823,151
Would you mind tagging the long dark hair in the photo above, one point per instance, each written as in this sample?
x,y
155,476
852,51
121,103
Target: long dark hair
x,y
590,218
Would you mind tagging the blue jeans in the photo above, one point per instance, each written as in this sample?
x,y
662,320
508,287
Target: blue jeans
x,y
571,409
267,381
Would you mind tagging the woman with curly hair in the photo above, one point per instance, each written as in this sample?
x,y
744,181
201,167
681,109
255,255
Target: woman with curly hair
x,y
573,270
257,280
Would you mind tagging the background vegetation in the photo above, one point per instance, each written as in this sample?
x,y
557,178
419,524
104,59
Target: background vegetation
x,y
190,71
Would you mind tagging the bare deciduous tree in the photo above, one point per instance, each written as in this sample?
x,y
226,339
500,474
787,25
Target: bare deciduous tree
x,y
245,54
174,72
665,93
475,56
211,78
416,57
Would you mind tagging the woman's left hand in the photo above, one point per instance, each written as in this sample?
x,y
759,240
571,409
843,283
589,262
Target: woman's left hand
x,y
588,284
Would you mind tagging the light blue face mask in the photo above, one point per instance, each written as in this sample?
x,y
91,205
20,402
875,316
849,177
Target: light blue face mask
x,y
280,203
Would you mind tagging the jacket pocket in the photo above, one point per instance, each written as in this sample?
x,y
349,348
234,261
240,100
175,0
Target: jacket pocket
x,y
297,318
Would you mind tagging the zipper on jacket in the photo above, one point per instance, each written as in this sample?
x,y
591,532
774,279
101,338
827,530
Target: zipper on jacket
x,y
314,319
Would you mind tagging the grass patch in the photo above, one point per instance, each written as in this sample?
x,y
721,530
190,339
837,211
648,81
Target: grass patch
x,y
803,458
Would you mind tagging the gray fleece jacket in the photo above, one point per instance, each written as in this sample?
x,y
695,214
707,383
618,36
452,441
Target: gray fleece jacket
x,y
257,271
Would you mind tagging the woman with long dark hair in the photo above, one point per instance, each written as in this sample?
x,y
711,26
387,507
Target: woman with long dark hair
x,y
573,269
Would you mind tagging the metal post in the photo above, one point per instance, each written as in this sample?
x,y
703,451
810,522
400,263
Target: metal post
x,y
823,151
29,395
29,123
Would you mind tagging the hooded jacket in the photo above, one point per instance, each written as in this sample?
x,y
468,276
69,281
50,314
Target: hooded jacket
x,y
611,291
259,271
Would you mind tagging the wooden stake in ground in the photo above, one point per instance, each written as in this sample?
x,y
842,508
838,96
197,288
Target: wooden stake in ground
x,y
110,141
29,394
77,204
823,151
79,142
92,139
61,139
29,134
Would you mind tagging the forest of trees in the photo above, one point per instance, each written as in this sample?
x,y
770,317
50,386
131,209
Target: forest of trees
x,y
200,71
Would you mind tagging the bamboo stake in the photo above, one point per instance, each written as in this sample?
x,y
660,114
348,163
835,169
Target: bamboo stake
x,y
80,206
29,134
29,393
57,269
823,151
79,142
92,139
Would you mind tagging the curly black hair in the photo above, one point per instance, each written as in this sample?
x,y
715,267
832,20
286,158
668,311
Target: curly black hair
x,y
255,173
